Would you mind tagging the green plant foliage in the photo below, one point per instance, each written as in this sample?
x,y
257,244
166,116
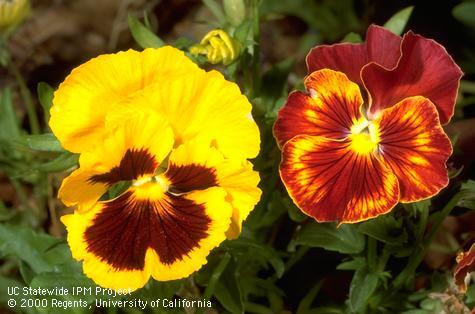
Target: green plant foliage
x,y
398,21
142,35
283,261
344,239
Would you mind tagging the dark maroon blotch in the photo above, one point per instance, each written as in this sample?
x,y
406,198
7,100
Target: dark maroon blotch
x,y
135,163
186,178
121,234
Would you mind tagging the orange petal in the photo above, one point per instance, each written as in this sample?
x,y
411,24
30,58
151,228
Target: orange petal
x,y
332,181
415,146
331,106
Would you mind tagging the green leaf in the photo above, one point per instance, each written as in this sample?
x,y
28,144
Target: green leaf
x,y
465,13
468,198
6,283
216,9
61,163
352,38
43,142
45,96
344,239
27,245
142,35
398,21
228,291
210,288
384,228
258,251
362,287
274,82
8,118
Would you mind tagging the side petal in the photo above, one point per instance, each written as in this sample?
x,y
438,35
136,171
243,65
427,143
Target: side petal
x,y
465,265
414,145
331,181
85,97
424,69
197,166
381,46
240,182
330,108
128,153
78,188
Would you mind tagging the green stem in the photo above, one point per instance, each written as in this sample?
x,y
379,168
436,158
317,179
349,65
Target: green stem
x,y
422,224
256,53
372,254
209,291
421,248
26,95
383,259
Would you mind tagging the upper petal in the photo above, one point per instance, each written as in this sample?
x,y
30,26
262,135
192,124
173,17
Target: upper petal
x,y
424,69
381,46
201,104
85,97
414,145
332,181
330,108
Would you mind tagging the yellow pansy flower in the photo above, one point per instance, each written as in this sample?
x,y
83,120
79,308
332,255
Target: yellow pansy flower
x,y
181,142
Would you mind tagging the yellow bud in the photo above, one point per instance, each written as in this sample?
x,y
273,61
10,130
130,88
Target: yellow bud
x,y
12,13
218,47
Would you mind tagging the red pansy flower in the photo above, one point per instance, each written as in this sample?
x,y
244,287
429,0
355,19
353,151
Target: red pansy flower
x,y
465,265
349,157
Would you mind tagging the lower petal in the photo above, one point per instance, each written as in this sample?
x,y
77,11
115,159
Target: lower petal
x,y
331,181
414,145
147,232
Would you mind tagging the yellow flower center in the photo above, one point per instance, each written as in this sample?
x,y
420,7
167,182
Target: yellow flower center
x,y
364,138
151,187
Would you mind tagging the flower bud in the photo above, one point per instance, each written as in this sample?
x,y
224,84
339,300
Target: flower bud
x,y
12,13
218,47
235,11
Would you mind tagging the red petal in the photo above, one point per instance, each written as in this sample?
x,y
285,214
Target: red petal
x,y
330,110
331,181
415,146
465,265
382,47
424,69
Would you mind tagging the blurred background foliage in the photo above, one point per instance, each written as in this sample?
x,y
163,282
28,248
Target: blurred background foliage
x,y
283,262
